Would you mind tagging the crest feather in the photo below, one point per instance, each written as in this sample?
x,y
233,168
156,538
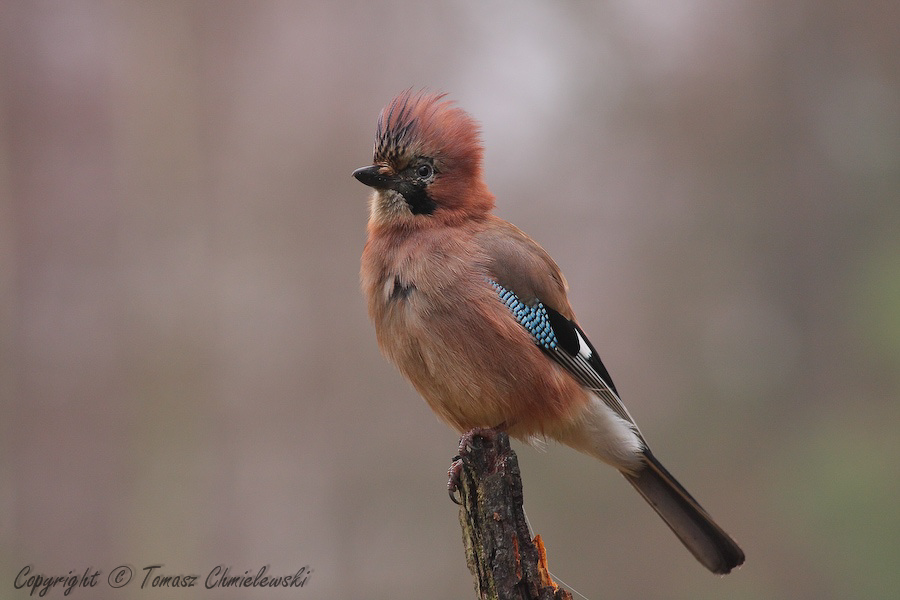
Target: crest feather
x,y
425,124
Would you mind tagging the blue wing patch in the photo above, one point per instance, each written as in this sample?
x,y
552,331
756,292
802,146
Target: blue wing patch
x,y
533,318
561,338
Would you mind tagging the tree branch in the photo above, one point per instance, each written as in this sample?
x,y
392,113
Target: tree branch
x,y
505,562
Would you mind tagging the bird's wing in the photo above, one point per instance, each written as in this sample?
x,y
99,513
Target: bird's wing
x,y
532,287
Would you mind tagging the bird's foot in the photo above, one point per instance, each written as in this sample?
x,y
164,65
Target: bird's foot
x,y
453,475
479,437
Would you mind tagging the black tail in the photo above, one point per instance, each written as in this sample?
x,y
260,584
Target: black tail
x,y
693,526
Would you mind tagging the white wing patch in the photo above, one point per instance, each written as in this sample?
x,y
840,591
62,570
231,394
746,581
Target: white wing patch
x,y
584,350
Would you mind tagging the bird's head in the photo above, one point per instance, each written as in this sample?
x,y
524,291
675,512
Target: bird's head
x,y
427,165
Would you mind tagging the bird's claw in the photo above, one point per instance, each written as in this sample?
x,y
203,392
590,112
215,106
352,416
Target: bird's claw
x,y
466,444
453,475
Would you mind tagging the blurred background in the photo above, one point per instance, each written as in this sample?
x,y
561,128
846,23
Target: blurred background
x,y
188,374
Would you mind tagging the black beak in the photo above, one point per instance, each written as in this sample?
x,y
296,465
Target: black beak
x,y
372,177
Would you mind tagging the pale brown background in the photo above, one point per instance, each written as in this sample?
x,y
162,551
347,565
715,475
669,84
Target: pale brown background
x,y
187,371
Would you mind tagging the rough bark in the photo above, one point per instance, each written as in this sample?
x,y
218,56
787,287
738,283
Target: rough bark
x,y
505,562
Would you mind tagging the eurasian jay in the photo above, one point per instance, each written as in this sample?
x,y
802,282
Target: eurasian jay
x,y
475,313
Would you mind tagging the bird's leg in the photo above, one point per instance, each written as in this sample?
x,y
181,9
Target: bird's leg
x,y
467,442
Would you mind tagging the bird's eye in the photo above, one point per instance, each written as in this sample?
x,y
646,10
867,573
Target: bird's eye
x,y
424,171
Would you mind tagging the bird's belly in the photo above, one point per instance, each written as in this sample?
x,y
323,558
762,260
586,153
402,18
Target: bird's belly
x,y
468,385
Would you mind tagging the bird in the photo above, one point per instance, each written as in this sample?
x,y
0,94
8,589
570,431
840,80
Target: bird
x,y
476,314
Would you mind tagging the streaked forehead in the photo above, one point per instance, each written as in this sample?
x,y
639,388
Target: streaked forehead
x,y
400,125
